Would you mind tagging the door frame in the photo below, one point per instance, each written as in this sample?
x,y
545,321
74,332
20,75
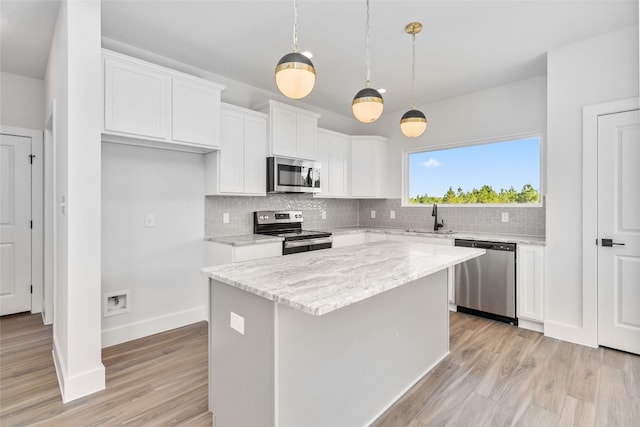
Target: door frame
x,y
37,211
590,116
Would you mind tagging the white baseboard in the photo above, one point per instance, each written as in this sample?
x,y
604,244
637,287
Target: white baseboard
x,y
571,333
531,325
72,388
151,326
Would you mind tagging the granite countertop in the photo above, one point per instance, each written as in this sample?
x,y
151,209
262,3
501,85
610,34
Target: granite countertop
x,y
244,239
320,282
503,238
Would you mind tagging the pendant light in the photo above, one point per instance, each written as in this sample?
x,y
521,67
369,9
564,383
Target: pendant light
x,y
368,104
295,74
413,122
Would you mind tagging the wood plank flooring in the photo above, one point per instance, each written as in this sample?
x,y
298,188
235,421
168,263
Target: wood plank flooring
x,y
158,380
496,375
499,375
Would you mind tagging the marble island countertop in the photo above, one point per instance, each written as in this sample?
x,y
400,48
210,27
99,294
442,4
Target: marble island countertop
x,y
320,282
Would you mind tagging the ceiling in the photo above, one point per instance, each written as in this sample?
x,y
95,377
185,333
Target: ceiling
x,y
465,46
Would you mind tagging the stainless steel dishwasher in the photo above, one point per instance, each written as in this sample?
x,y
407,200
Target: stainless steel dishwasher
x,y
486,286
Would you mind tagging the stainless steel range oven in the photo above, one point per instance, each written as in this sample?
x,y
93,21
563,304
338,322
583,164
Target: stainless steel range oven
x,y
288,225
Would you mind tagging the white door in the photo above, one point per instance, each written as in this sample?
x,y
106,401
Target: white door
x,y
619,221
15,224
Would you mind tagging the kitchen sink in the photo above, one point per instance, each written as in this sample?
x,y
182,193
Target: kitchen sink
x,y
430,231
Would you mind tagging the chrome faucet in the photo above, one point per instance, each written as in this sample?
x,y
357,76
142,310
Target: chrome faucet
x,y
436,224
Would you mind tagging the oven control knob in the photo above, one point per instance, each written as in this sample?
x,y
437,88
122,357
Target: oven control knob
x,y
266,217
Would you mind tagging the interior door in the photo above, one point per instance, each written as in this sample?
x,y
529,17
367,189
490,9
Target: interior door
x,y
15,224
619,231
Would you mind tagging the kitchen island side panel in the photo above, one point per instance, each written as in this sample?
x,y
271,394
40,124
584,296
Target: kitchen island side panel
x,y
241,367
347,367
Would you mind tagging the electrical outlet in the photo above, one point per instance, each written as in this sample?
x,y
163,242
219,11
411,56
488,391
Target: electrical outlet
x,y
373,214
505,216
225,218
149,220
324,214
392,214
237,322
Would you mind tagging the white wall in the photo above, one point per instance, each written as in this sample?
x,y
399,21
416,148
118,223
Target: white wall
x,y
511,109
21,101
73,80
160,266
592,71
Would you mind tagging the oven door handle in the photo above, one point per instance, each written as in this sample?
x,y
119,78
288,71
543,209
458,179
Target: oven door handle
x,y
307,242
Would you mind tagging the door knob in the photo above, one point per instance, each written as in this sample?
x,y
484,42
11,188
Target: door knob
x,y
609,243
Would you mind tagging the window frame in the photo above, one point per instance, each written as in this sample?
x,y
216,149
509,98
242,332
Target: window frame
x,y
469,143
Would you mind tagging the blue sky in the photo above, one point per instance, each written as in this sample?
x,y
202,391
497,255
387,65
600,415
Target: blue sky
x,y
500,165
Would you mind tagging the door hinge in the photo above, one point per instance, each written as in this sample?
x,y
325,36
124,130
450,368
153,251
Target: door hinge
x,y
31,224
31,156
31,290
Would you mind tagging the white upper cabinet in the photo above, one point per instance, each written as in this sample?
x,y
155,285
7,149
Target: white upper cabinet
x,y
292,131
239,168
150,105
136,100
195,113
368,166
333,151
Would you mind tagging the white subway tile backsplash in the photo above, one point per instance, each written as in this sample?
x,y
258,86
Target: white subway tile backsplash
x,y
528,221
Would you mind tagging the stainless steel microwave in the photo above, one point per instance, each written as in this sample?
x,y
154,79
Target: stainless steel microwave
x,y
292,175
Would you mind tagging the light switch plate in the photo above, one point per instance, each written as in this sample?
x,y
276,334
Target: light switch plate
x,y
149,220
225,218
505,216
237,322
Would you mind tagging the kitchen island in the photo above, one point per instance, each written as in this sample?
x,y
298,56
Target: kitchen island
x,y
326,338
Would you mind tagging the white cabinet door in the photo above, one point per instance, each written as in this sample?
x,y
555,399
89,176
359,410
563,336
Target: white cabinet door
x,y
232,151
362,169
283,132
530,284
293,131
136,100
306,127
255,154
323,141
195,112
240,166
342,240
339,162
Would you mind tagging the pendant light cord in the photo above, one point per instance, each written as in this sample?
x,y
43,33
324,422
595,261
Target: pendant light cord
x,y
413,73
367,50
295,26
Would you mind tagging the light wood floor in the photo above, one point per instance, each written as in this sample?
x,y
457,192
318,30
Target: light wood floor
x,y
158,380
496,375
500,375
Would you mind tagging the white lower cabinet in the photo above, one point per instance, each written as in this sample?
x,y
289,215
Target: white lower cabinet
x,y
239,168
219,254
530,285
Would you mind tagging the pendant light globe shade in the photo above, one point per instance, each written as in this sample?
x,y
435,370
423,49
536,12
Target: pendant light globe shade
x,y
295,75
413,123
367,105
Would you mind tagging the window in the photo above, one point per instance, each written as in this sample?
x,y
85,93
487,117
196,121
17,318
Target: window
x,y
503,172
